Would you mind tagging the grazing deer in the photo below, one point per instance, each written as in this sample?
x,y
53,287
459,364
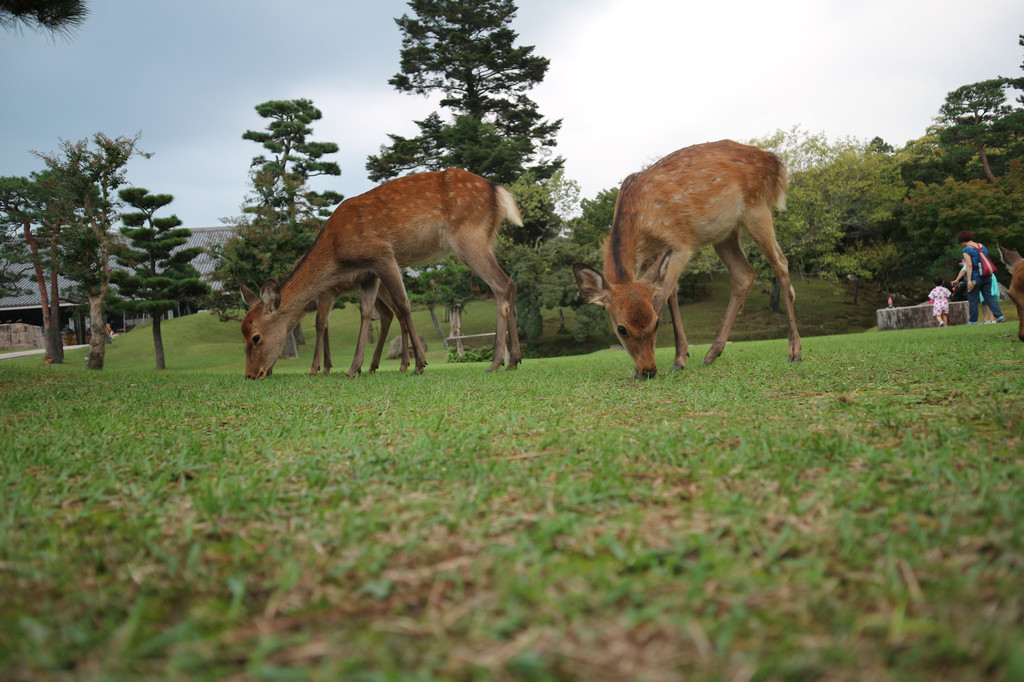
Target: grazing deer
x,y
705,194
414,220
1015,264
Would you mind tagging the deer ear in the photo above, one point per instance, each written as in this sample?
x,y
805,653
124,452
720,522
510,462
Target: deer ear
x,y
248,296
270,296
591,283
655,278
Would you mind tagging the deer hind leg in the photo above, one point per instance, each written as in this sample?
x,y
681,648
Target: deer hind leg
x,y
478,256
391,278
742,279
762,231
367,296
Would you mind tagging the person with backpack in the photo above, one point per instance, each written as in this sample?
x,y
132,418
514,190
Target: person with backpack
x,y
979,272
959,289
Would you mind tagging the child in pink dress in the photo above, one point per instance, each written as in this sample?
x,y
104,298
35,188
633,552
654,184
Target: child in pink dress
x,y
939,296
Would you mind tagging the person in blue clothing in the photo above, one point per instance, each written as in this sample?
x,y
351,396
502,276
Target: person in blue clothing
x,y
985,310
978,285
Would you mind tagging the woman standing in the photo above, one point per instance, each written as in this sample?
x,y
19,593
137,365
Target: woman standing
x,y
978,285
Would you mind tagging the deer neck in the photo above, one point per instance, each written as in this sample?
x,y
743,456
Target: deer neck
x,y
297,291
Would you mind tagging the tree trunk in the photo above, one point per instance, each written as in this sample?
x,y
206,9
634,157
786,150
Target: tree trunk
x,y
437,326
856,290
300,338
54,339
290,349
985,165
773,302
158,341
51,331
98,338
455,324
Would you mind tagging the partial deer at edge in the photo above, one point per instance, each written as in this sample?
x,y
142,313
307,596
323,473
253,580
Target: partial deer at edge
x,y
1015,264
414,220
707,194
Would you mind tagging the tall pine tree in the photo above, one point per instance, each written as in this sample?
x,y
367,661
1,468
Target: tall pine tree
x,y
156,277
283,214
971,116
465,50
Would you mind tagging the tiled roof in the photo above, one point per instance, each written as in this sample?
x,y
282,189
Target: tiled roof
x,y
202,237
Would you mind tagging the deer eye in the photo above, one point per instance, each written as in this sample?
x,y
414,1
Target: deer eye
x,y
255,339
622,331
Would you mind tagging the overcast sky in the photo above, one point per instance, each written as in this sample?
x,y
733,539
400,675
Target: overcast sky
x,y
632,79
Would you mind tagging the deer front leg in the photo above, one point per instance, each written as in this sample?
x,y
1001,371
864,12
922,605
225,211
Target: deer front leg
x,y
385,325
385,307
391,277
367,296
327,351
321,333
682,348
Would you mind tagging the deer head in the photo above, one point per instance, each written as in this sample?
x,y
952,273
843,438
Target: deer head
x,y
264,330
634,307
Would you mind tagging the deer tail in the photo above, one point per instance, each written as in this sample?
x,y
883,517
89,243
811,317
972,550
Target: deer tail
x,y
781,185
507,206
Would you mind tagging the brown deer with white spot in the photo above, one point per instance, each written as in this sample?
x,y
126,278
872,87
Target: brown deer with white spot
x,y
414,220
707,194
1015,264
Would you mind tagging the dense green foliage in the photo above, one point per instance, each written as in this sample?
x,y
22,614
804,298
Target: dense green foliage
x,y
58,17
854,516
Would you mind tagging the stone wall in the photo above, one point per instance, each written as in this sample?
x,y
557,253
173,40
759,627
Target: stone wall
x,y
394,350
918,316
18,336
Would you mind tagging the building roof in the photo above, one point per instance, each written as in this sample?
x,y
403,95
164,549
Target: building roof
x,y
206,238
202,237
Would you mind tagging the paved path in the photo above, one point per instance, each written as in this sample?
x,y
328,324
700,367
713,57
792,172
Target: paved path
x,y
36,351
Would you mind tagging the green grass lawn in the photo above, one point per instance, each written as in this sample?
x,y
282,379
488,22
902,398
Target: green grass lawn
x,y
854,516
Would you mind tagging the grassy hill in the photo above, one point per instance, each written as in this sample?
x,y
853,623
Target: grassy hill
x,y
823,308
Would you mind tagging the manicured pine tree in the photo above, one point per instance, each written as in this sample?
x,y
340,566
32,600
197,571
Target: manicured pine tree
x,y
157,277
